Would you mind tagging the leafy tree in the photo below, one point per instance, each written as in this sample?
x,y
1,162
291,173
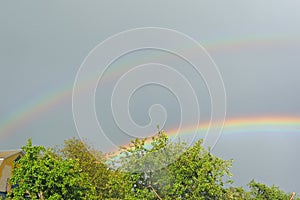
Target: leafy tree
x,y
197,174
130,179
139,173
261,191
90,161
166,170
41,175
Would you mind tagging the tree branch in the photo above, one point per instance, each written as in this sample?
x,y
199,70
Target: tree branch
x,y
155,192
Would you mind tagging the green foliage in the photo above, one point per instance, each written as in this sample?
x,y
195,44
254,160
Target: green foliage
x,y
261,191
197,174
166,170
41,175
238,193
173,170
90,161
159,170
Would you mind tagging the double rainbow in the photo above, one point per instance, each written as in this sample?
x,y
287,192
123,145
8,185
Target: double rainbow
x,y
28,112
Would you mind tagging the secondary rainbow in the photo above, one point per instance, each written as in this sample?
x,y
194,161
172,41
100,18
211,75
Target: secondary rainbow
x,y
29,111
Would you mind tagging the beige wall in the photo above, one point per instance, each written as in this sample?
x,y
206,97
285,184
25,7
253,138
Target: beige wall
x,y
6,171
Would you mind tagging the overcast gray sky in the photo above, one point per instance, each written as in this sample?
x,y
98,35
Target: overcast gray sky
x,y
255,45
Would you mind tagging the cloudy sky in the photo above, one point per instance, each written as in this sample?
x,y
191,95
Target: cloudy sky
x,y
255,46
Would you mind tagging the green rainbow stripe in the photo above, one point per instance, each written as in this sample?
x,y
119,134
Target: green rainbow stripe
x,y
28,112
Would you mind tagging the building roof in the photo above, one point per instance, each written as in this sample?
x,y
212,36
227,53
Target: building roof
x,y
6,154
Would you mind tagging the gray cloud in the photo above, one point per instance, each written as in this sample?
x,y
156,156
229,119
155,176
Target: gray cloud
x,y
255,45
